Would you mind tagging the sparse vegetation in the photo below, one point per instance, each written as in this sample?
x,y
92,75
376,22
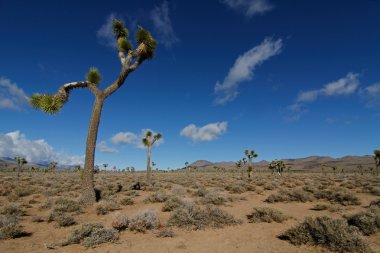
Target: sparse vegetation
x,y
143,221
335,234
266,214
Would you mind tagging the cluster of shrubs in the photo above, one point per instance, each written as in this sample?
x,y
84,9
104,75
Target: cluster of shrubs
x,y
140,222
61,212
266,214
298,195
9,221
191,216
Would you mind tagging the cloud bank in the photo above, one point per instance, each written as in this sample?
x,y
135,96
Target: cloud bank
x,y
11,96
250,7
35,151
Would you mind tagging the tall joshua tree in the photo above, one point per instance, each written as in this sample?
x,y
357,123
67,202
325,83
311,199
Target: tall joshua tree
x,y
376,153
130,60
148,142
20,162
250,155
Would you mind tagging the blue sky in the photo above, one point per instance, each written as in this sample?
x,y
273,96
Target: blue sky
x,y
286,78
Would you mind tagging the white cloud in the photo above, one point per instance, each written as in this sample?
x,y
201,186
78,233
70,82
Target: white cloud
x,y
371,94
35,151
250,7
344,86
163,24
128,138
102,146
208,132
124,138
243,69
105,33
11,96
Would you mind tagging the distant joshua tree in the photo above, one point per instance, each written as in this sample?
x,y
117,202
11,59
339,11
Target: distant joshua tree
x,y
148,142
187,166
20,162
277,166
376,153
51,167
130,60
238,165
250,155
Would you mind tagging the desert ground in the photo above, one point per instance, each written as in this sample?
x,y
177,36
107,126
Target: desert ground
x,y
190,212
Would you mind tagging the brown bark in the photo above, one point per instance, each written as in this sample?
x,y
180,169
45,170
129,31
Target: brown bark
x,y
148,170
88,192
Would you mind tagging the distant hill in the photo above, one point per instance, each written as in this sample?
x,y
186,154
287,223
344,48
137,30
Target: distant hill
x,y
307,163
7,163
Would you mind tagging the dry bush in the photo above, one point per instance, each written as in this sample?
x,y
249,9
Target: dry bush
x,y
127,201
12,210
66,205
297,195
338,195
62,219
179,190
90,234
319,207
106,206
165,232
213,198
120,223
375,203
172,203
193,217
9,227
157,197
368,222
334,234
143,221
266,214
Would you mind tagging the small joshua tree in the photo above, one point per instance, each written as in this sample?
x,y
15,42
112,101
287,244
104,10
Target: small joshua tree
x,y
376,153
148,142
250,155
130,60
238,165
20,162
277,166
105,165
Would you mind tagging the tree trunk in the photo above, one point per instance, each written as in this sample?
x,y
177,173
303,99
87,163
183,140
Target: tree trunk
x,y
88,192
148,172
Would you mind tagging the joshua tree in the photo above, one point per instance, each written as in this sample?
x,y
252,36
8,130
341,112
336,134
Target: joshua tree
x,y
277,166
51,166
20,162
250,155
130,60
376,153
187,166
148,142
238,165
105,165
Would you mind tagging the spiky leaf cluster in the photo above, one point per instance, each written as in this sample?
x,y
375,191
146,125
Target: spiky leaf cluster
x,y
124,45
144,37
119,29
45,102
93,76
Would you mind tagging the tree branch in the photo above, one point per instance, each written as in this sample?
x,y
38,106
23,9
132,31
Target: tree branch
x,y
64,91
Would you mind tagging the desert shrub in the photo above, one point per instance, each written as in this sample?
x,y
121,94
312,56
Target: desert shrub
x,y
143,221
99,236
120,223
157,197
298,195
269,186
66,205
166,232
127,201
12,210
80,232
368,222
266,214
375,203
62,219
200,192
132,193
47,205
319,207
236,188
213,198
171,204
178,190
337,195
193,217
106,206
9,227
335,234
